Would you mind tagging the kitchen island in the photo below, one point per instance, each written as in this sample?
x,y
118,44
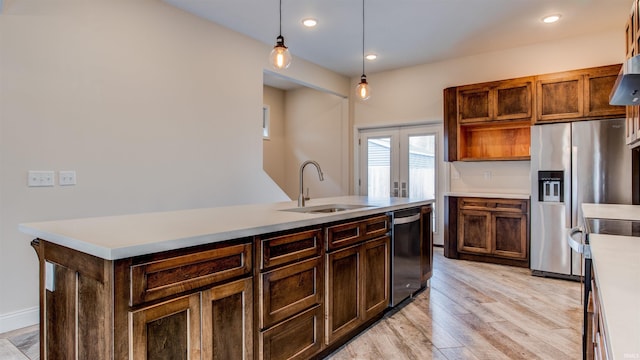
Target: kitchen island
x,y
252,281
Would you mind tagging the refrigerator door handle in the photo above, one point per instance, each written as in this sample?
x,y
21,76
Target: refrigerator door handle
x,y
574,187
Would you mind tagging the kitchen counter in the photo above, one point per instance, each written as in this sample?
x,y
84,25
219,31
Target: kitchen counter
x,y
611,211
488,195
617,269
118,237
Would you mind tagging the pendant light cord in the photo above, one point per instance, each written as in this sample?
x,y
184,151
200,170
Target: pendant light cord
x,y
281,17
362,37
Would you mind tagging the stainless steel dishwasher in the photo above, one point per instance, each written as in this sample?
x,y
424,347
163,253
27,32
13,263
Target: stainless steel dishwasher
x,y
405,257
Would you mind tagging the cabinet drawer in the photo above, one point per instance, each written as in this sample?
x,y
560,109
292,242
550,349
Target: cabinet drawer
x,y
155,280
297,338
508,205
343,235
289,290
289,248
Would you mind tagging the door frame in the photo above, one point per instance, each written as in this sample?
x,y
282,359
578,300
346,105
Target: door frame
x,y
442,168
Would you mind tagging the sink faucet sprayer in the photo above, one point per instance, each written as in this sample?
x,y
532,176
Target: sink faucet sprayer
x,y
301,197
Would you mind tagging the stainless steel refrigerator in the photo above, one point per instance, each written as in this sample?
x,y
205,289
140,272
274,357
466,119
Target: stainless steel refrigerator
x,y
571,164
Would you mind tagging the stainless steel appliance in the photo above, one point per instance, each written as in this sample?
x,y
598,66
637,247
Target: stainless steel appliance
x,y
571,164
405,280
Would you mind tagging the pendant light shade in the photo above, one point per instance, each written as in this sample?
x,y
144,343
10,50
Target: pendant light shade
x,y
363,90
280,56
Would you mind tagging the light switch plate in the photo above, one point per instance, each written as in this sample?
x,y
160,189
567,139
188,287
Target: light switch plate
x,y
40,178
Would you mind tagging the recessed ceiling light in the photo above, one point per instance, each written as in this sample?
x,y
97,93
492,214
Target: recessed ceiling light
x,y
551,18
371,56
310,22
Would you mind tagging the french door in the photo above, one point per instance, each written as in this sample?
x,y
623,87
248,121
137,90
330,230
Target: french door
x,y
398,162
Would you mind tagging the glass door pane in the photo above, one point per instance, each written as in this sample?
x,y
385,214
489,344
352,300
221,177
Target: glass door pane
x,y
422,170
379,167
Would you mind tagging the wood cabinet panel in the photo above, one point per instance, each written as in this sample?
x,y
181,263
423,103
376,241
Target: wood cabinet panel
x,y
475,231
559,97
426,244
513,99
227,321
157,279
295,338
170,330
289,290
474,104
288,248
343,292
346,234
598,86
488,229
376,270
509,234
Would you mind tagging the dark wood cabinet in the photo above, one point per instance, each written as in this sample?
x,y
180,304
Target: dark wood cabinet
x,y
358,276
290,301
577,95
312,290
495,101
632,42
343,292
491,121
492,230
426,244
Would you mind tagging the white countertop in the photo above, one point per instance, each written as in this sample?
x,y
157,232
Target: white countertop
x,y
616,260
117,237
611,211
488,195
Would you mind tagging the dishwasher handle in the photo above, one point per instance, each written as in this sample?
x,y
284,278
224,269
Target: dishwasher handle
x,y
406,220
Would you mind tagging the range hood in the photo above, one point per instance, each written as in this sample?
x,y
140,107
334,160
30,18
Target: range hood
x,y
626,90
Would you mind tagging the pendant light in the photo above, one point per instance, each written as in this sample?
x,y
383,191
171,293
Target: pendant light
x,y
280,57
363,90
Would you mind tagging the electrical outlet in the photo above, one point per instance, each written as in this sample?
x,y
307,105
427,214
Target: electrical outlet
x,y
40,178
67,177
487,175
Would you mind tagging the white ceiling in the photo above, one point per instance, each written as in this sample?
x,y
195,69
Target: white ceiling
x,y
408,32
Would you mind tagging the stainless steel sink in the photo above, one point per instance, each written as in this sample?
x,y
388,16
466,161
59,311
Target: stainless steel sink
x,y
330,208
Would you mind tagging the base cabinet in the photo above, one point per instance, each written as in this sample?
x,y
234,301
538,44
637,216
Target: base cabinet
x,y
491,230
358,283
310,291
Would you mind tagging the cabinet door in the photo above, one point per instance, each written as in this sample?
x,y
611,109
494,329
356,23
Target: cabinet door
x,y
227,321
559,97
474,231
343,292
474,104
509,235
289,290
170,330
598,85
513,99
374,279
299,337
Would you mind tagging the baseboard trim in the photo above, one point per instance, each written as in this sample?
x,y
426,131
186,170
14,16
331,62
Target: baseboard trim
x,y
19,319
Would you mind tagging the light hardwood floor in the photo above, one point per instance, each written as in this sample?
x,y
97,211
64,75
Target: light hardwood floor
x,y
478,311
471,311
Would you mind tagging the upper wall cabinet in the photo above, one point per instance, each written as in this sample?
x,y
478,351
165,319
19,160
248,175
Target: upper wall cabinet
x,y
500,100
632,40
576,95
491,121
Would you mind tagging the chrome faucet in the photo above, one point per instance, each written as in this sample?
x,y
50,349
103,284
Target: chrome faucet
x,y
301,197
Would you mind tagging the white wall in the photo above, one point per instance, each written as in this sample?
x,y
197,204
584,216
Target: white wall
x,y
138,98
273,155
414,94
316,129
